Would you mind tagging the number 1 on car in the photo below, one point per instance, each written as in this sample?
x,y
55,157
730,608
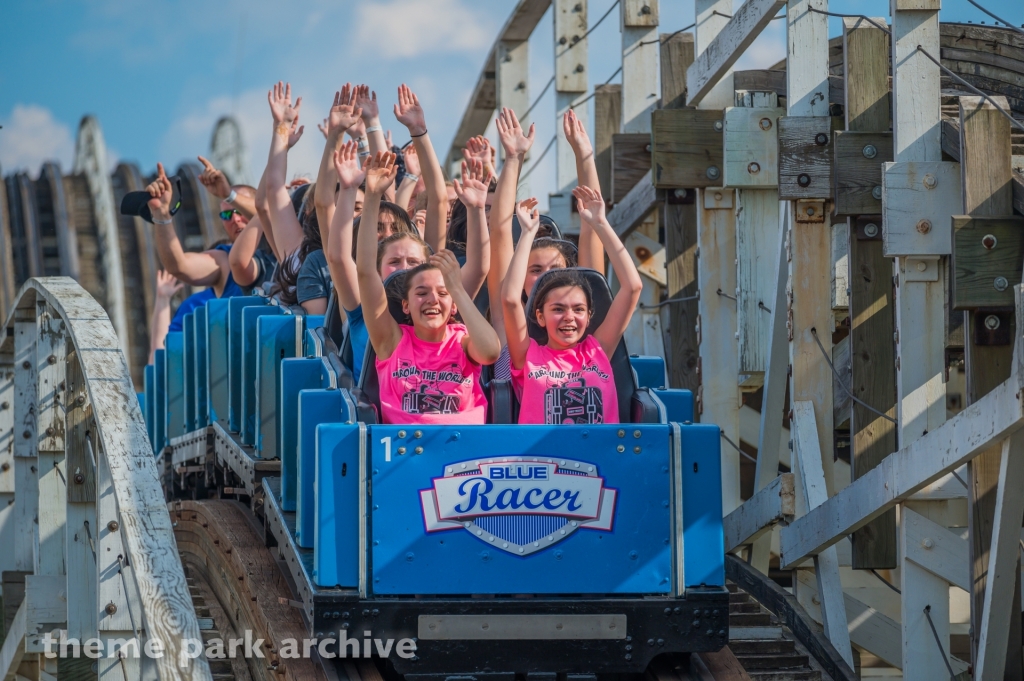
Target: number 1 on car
x,y
386,441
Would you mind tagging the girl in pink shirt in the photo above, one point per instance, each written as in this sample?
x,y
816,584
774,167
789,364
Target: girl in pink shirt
x,y
568,380
429,372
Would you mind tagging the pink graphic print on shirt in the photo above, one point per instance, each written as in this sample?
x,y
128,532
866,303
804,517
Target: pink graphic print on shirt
x,y
573,386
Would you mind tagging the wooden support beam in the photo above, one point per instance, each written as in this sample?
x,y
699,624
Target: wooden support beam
x,y
607,119
936,549
774,503
633,209
571,79
985,163
640,55
26,483
631,162
905,472
872,348
51,350
677,54
512,76
713,62
1003,576
14,643
924,596
807,452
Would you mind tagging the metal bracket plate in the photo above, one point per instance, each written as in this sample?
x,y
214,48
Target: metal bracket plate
x,y
520,627
918,199
920,269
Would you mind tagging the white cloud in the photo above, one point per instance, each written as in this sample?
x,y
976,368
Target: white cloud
x,y
30,136
411,28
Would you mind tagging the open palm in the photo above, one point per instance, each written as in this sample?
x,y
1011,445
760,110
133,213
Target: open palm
x,y
346,163
589,203
472,191
409,112
281,106
510,133
344,113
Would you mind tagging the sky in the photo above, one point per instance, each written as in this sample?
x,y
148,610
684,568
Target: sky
x,y
158,74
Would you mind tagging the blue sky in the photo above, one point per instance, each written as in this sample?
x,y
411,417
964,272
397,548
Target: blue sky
x,y
158,74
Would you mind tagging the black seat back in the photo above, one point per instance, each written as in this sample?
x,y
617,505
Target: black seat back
x,y
625,380
334,321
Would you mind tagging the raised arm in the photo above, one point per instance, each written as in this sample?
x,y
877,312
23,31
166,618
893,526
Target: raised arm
x,y
481,343
383,329
287,230
410,114
591,208
472,191
516,330
208,268
591,254
166,287
478,148
342,116
217,184
244,267
338,246
366,100
404,194
263,213
515,144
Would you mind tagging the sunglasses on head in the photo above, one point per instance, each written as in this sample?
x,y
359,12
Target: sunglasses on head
x,y
226,214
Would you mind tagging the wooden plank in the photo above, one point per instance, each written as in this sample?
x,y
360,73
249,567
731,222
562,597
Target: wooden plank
x,y
774,80
807,452
985,249
633,209
687,148
26,484
805,157
570,24
923,595
905,472
866,65
51,349
936,549
986,166
751,147
677,53
757,234
859,158
712,63
13,646
640,53
631,162
723,666
994,660
607,119
512,76
774,503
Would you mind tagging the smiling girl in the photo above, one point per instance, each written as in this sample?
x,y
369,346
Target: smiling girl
x,y
569,379
428,372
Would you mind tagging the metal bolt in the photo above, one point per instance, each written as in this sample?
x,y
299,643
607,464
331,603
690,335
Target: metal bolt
x,y
876,193
754,168
927,543
79,478
622,433
718,126
111,608
924,226
80,400
765,123
113,526
804,180
929,181
49,431
27,434
636,434
418,450
1000,283
821,139
620,449
52,359
680,193
5,405
712,172
401,433
989,241
921,267
579,68
5,467
636,450
869,151
562,40
26,364
718,196
871,229
646,9
992,322
401,450
810,211
418,434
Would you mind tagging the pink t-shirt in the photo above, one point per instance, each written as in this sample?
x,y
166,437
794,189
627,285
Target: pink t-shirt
x,y
423,383
574,386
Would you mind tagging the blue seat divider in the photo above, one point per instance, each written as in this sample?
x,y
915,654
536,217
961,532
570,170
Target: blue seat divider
x,y
703,538
279,338
149,378
336,540
159,403
315,407
649,370
250,380
310,343
217,358
296,375
235,307
202,405
174,384
678,403
189,373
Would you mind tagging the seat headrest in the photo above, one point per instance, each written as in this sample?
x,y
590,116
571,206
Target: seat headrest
x,y
601,295
548,228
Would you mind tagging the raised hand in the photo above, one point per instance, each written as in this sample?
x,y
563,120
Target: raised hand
x,y
445,261
166,285
322,127
346,163
589,204
344,112
409,112
510,133
412,160
161,191
295,133
381,170
476,178
478,148
281,107
358,130
387,139
366,101
214,180
529,216
576,134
